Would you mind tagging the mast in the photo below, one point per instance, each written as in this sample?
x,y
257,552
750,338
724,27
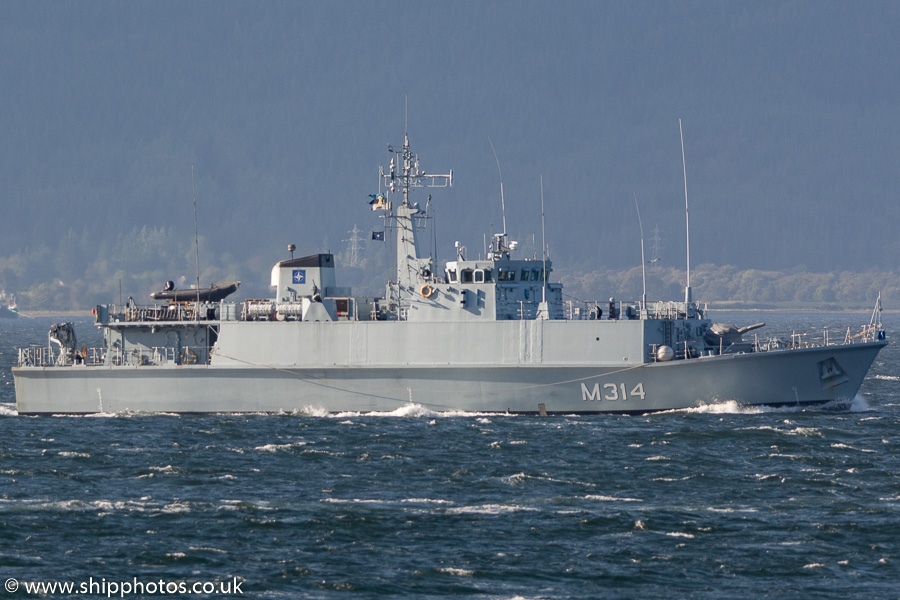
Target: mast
x,y
196,242
643,262
403,176
543,248
502,202
500,245
687,223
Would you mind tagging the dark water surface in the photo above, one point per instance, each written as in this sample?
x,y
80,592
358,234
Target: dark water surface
x,y
720,502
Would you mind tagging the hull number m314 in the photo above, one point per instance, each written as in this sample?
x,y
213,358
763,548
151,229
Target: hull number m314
x,y
611,392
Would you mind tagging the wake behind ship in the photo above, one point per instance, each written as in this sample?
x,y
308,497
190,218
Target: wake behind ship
x,y
490,335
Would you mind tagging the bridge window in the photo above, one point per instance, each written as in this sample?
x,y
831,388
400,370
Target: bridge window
x,y
506,274
479,275
451,275
466,276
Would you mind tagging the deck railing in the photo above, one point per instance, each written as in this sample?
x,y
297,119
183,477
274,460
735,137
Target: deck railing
x,y
180,311
43,356
579,310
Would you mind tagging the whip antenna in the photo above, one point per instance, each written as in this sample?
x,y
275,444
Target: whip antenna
x,y
687,222
502,203
643,262
196,239
543,245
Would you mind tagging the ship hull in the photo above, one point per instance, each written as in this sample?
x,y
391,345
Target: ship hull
x,y
810,376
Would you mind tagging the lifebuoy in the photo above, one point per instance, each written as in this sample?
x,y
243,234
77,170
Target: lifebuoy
x,y
426,291
188,357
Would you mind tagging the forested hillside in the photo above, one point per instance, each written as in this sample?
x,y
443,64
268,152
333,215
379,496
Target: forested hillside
x,y
142,260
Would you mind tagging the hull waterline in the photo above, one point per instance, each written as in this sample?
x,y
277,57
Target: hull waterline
x,y
782,378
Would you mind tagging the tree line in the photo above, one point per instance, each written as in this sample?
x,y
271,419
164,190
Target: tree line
x,y
81,272
726,285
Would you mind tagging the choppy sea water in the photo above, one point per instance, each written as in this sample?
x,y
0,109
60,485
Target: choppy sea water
x,y
719,502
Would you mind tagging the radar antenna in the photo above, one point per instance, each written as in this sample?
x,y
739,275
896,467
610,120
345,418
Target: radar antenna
x,y
411,176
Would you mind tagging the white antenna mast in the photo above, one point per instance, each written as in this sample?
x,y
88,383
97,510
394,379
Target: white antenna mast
x,y
502,203
196,239
643,262
687,222
543,246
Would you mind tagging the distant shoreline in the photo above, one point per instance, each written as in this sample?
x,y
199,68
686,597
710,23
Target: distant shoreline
x,y
39,314
811,308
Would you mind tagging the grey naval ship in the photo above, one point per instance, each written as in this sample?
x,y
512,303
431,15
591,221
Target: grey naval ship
x,y
486,335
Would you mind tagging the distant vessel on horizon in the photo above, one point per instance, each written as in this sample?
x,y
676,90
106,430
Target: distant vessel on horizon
x,y
8,306
491,334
